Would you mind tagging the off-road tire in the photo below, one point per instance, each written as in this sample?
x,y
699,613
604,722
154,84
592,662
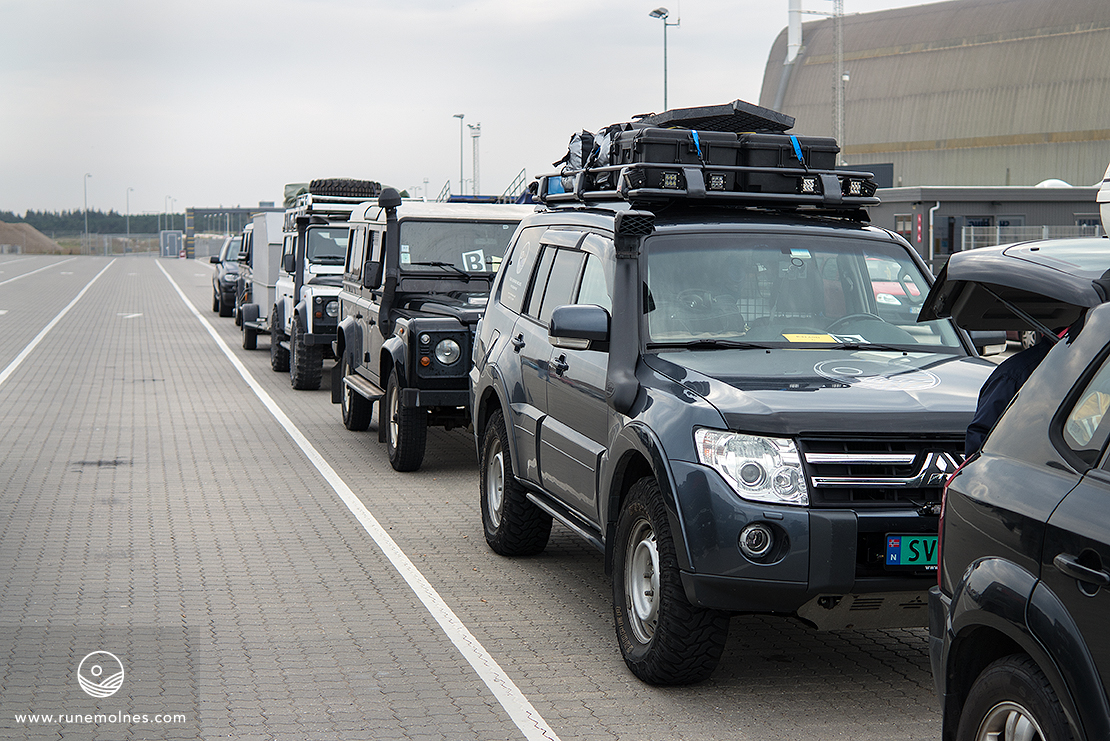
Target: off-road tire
x,y
225,308
305,361
250,338
514,526
279,356
406,428
346,187
355,408
663,638
1013,684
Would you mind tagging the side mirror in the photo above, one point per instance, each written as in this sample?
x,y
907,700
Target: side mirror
x,y
215,259
579,327
289,263
371,274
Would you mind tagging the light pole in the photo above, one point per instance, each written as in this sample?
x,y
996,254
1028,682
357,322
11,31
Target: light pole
x,y
460,116
475,132
129,215
86,183
662,14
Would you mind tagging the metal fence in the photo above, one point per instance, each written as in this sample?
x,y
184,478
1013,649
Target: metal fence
x,y
988,236
118,244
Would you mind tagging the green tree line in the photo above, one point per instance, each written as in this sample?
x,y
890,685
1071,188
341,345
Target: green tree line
x,y
69,223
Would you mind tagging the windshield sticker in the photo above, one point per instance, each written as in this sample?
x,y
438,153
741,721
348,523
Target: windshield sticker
x,y
404,248
879,375
809,338
406,258
474,261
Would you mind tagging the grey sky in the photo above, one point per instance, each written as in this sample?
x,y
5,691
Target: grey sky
x,y
222,102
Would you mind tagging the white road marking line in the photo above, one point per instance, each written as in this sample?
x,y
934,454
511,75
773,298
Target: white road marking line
x,y
3,311
47,267
520,710
38,338
128,316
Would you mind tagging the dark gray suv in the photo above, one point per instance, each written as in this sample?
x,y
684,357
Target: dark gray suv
x,y
710,391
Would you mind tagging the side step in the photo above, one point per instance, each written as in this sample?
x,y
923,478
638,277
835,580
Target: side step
x,y
362,387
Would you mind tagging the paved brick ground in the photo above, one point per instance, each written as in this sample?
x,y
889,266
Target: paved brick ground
x,y
152,507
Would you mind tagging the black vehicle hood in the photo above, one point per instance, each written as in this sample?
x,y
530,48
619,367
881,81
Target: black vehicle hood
x,y
1051,280
815,391
466,307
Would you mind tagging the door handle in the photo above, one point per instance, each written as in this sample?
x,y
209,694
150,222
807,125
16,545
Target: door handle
x,y
560,365
1070,566
518,342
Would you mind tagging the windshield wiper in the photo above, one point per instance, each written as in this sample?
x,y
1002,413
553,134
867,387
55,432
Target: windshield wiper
x,y
870,346
438,264
710,344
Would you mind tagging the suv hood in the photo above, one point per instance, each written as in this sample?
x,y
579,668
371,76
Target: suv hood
x,y
792,391
1052,281
466,307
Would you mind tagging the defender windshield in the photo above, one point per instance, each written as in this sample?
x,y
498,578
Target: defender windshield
x,y
231,249
452,246
327,246
779,290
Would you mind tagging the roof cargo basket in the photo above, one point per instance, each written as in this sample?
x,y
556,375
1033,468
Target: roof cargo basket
x,y
736,117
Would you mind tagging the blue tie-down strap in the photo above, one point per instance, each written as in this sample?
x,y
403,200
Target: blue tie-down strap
x,y
697,144
797,149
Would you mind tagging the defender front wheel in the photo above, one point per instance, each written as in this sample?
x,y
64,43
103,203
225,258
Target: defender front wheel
x,y
406,429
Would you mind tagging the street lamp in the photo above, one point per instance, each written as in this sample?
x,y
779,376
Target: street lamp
x,y
86,183
129,215
662,14
460,116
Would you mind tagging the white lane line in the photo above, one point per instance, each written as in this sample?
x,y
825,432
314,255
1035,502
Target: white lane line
x,y
520,710
51,265
4,374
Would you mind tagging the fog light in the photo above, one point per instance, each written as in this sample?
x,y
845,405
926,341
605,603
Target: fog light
x,y
809,185
756,540
716,181
670,180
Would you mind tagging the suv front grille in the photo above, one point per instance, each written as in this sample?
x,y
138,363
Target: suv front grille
x,y
876,472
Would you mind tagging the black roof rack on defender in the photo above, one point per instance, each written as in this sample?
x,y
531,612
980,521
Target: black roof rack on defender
x,y
645,164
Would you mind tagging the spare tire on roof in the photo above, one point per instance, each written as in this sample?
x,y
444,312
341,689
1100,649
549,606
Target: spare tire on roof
x,y
347,187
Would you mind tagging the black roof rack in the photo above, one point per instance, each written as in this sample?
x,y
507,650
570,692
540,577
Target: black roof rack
x,y
649,183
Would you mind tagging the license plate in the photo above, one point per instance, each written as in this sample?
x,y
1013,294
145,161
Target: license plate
x,y
911,551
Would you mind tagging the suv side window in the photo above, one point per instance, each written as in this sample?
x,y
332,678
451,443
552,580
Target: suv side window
x,y
593,289
514,281
535,298
561,284
1087,425
355,253
288,247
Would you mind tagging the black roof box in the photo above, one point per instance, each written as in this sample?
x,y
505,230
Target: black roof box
x,y
737,116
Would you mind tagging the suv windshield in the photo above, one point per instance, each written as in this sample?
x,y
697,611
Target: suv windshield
x,y
471,246
777,289
327,246
231,249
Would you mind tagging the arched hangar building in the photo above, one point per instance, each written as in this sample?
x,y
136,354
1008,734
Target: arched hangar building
x,y
958,100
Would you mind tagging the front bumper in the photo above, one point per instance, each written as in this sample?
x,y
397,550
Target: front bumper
x,y
821,570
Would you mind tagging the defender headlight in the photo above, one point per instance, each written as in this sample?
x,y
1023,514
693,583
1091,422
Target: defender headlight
x,y
762,469
332,309
448,352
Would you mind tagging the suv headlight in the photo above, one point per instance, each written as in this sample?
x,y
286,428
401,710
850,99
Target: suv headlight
x,y
762,469
448,352
332,309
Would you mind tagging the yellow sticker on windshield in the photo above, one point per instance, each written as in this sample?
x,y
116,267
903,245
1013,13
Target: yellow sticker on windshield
x,y
809,337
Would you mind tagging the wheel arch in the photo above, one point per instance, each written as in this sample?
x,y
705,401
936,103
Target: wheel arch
x,y
637,453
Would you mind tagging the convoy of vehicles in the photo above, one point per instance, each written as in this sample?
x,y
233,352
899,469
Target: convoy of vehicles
x,y
712,369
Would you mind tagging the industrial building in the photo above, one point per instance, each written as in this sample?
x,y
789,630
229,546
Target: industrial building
x,y
960,108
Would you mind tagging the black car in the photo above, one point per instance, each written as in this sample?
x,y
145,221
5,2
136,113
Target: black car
x,y
703,385
1018,621
226,277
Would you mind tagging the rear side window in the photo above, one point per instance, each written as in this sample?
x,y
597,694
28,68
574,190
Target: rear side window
x,y
1087,426
355,252
517,270
561,284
